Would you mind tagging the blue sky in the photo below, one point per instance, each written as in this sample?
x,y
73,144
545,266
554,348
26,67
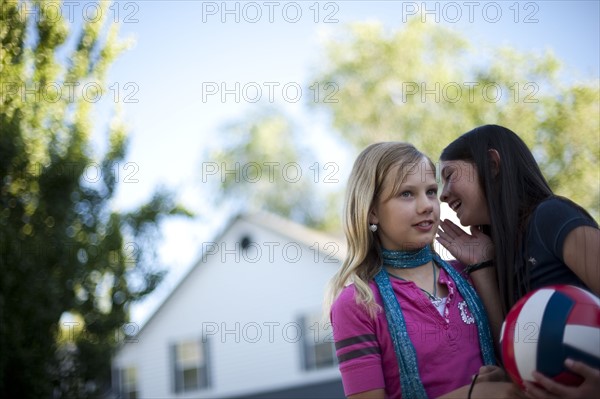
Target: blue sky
x,y
183,46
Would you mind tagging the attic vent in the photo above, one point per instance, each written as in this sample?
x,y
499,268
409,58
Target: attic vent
x,y
245,242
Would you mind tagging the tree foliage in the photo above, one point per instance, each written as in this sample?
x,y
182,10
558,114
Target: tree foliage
x,y
426,84
63,250
264,162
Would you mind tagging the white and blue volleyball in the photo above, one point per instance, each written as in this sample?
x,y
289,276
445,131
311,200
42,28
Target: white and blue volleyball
x,y
546,327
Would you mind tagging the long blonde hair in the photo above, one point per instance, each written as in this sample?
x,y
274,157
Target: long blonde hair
x,y
365,185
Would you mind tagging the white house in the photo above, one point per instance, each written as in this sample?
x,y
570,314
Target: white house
x,y
245,322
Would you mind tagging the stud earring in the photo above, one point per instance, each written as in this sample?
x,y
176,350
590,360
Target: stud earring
x,y
373,228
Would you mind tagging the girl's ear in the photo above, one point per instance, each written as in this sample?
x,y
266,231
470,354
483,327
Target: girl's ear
x,y
373,219
494,161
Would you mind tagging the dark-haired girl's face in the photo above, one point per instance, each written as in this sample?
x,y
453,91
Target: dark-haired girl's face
x,y
463,193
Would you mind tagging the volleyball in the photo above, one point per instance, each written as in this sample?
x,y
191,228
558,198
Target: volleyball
x,y
546,327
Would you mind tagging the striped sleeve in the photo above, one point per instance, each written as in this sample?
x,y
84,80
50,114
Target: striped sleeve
x,y
357,346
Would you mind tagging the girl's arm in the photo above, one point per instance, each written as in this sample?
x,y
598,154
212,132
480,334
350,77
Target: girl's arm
x,y
581,253
357,347
486,284
470,249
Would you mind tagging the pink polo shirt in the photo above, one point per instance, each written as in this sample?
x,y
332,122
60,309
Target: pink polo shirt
x,y
447,346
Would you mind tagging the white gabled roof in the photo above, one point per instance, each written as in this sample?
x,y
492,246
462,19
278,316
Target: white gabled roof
x,y
268,221
294,231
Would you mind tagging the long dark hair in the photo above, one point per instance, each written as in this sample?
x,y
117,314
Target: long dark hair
x,y
512,193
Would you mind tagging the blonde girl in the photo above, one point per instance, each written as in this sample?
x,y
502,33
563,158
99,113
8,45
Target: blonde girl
x,y
405,322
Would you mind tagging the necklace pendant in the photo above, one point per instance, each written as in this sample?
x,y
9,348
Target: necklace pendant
x,y
436,300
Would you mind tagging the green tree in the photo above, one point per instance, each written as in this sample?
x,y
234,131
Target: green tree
x,y
426,84
263,162
62,249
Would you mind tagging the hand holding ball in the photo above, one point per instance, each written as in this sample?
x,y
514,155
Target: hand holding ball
x,y
546,327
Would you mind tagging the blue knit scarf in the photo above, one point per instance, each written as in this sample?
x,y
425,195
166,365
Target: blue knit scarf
x,y
410,380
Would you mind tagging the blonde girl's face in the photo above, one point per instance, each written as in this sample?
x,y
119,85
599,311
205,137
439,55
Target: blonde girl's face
x,y
409,219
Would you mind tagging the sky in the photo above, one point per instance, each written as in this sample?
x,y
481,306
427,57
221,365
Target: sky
x,y
186,54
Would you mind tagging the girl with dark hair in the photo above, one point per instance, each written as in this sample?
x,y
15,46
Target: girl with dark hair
x,y
523,237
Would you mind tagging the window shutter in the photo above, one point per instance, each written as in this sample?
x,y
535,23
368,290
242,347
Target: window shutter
x,y
116,382
305,348
175,385
205,371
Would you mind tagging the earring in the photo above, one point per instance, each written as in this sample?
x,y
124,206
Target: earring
x,y
373,228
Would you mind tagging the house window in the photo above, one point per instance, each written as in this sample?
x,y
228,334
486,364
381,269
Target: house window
x,y
127,383
190,366
318,345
